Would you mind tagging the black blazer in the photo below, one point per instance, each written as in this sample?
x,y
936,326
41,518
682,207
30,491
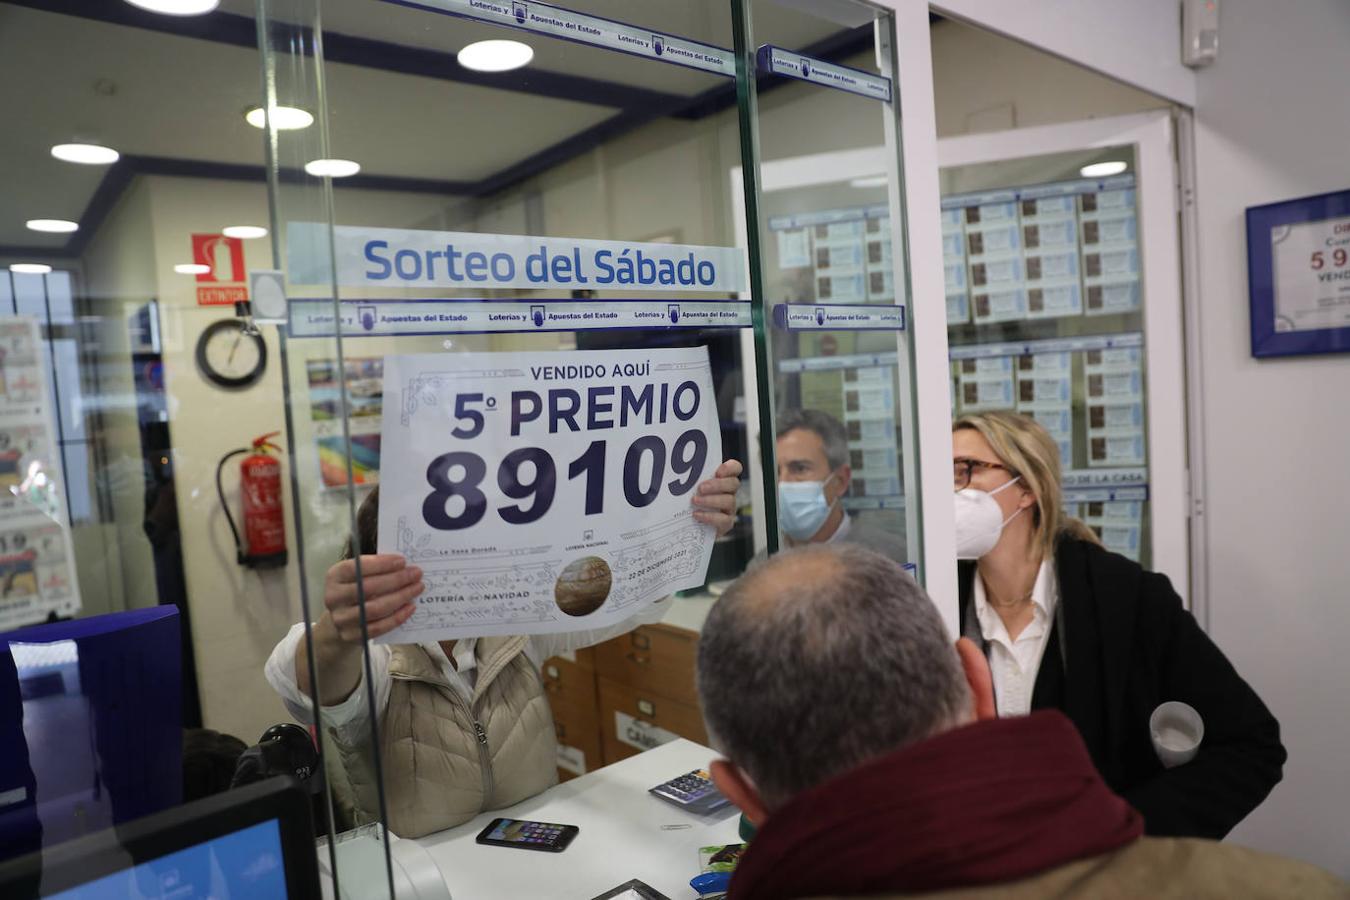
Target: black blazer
x,y
1128,645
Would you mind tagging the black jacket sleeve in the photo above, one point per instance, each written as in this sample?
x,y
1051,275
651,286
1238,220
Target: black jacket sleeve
x,y
1240,758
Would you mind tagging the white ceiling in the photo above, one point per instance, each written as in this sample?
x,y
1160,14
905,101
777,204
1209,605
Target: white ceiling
x,y
152,93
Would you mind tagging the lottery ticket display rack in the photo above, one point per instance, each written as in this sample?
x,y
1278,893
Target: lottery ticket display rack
x,y
1061,299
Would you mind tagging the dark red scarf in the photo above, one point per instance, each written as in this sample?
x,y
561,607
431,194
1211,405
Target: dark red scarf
x,y
991,802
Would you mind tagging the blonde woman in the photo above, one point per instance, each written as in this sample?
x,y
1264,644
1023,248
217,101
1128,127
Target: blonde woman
x,y
1066,624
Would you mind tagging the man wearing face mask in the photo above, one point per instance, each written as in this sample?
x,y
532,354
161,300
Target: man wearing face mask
x,y
813,478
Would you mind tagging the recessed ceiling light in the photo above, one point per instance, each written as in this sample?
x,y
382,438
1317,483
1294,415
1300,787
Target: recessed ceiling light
x,y
332,168
177,7
191,269
30,268
285,118
495,56
52,226
244,232
871,181
85,154
1102,169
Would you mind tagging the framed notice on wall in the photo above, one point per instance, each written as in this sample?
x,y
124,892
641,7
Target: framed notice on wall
x,y
1298,265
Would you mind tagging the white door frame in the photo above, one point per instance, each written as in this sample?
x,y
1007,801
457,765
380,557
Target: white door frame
x,y
1151,135
917,190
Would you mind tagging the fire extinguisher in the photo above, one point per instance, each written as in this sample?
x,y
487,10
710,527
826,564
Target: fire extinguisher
x,y
264,544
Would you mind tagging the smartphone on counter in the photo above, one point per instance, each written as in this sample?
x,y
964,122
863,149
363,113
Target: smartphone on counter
x,y
547,836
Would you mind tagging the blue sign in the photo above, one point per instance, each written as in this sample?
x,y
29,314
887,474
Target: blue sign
x,y
777,61
839,317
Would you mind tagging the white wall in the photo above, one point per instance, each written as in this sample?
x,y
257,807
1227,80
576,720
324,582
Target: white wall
x,y
1271,126
985,82
237,613
1137,42
114,560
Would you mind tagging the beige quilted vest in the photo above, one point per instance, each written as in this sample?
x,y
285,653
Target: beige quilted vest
x,y
446,760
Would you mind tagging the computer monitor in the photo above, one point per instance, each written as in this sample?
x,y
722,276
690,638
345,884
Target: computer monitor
x,y
90,725
250,843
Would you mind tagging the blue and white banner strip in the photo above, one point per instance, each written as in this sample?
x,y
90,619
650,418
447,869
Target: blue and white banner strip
x,y
1039,191
1123,476
408,258
829,217
311,318
1104,494
1105,485
838,317
891,501
554,21
835,363
1051,345
955,201
778,61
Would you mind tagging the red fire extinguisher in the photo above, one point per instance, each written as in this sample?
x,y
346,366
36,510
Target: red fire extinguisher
x,y
264,544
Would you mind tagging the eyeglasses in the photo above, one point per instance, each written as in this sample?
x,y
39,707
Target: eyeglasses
x,y
963,469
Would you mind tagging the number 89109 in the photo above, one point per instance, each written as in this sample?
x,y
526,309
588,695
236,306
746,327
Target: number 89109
x,y
686,459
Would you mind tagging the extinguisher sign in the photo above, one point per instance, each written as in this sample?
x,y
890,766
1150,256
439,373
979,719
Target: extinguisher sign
x,y
225,281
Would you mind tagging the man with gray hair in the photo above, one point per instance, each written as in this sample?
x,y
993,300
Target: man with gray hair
x,y
814,476
864,747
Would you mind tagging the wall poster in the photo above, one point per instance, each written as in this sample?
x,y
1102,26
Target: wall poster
x,y
365,385
1298,265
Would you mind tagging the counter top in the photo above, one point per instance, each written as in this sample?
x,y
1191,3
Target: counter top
x,y
620,838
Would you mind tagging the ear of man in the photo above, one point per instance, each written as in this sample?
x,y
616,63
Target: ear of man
x,y
980,679
737,787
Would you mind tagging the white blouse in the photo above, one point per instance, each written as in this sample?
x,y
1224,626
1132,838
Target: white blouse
x,y
1015,663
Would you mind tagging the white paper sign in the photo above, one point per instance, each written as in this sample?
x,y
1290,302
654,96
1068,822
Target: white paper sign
x,y
545,492
640,734
1311,263
37,563
409,258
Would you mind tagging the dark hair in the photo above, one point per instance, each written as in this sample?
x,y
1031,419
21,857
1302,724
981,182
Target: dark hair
x,y
367,525
209,760
822,658
832,434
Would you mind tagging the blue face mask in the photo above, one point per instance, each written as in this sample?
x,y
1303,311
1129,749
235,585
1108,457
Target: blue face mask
x,y
802,507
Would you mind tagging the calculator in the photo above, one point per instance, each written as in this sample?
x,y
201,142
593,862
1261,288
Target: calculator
x,y
694,792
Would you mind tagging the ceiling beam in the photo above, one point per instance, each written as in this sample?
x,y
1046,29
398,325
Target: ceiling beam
x,y
241,31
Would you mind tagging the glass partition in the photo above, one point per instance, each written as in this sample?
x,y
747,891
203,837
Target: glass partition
x,y
136,633
317,250
570,210
827,225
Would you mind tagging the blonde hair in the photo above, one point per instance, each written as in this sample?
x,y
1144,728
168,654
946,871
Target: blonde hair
x,y
1024,446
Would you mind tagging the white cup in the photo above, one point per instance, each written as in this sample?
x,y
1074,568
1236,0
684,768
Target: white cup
x,y
1177,730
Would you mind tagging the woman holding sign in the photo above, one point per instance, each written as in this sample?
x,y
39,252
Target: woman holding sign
x,y
464,725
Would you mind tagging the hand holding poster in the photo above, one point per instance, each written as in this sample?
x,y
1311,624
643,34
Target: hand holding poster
x,y
545,493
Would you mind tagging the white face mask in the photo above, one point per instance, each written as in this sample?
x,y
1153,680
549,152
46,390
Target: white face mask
x,y
979,521
802,507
